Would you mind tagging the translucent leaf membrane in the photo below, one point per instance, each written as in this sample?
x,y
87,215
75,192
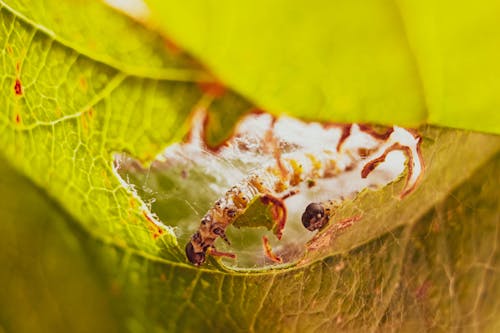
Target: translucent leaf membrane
x,y
292,162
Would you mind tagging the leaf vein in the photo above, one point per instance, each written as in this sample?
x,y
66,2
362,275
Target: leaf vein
x,y
167,74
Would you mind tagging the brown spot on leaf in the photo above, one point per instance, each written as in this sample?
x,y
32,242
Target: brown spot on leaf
x,y
155,230
82,82
18,118
8,47
214,88
132,202
18,88
84,123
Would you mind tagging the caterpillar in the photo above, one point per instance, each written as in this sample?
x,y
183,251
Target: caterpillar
x,y
298,170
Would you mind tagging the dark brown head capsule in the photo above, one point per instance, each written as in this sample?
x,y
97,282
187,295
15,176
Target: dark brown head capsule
x,y
314,216
196,258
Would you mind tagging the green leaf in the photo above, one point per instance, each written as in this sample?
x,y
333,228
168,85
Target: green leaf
x,y
390,62
438,272
80,251
49,281
72,98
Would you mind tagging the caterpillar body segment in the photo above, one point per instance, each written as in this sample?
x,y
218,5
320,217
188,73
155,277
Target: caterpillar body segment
x,y
288,175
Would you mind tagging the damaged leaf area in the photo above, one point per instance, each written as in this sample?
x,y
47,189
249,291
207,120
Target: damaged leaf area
x,y
126,166
69,103
265,176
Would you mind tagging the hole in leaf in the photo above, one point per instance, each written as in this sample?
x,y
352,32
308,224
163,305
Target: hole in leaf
x,y
253,191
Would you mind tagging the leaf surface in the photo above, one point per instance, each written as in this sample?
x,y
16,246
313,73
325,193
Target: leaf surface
x,y
73,98
104,265
437,273
390,62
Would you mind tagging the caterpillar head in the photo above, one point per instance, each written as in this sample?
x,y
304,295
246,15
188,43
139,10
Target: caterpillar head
x,y
196,258
314,216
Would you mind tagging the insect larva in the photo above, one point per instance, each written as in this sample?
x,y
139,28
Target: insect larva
x,y
266,183
286,173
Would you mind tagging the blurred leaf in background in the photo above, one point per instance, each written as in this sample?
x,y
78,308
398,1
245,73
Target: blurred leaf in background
x,y
392,62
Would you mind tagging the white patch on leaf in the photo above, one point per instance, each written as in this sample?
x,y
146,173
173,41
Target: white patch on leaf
x,y
320,162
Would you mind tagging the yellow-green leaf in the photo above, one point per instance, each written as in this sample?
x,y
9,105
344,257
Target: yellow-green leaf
x,y
80,82
391,62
